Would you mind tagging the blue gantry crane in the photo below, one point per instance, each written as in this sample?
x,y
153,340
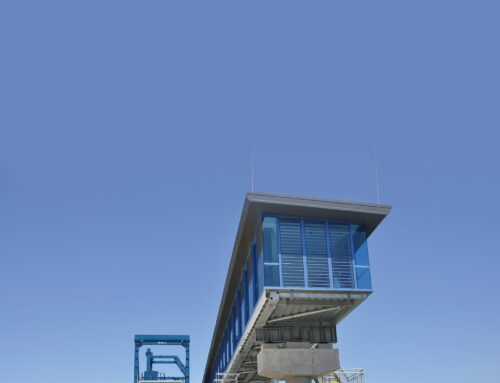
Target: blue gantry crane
x,y
150,375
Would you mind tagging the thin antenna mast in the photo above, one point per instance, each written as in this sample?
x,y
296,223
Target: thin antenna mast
x,y
376,171
253,159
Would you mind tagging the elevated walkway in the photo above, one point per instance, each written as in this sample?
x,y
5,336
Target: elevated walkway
x,y
299,266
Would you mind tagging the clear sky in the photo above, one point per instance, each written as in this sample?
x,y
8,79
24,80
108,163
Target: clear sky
x,y
126,130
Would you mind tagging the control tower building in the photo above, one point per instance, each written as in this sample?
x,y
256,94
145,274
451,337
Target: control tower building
x,y
299,266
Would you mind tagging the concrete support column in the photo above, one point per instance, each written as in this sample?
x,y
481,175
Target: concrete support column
x,y
296,362
299,379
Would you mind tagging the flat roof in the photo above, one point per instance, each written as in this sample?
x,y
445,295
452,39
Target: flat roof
x,y
257,204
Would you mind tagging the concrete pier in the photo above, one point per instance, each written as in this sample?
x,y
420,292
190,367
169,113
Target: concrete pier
x,y
296,362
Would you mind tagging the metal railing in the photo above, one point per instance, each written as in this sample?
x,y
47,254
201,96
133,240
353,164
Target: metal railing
x,y
222,377
158,381
344,375
160,378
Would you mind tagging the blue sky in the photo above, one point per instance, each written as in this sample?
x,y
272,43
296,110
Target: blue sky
x,y
126,132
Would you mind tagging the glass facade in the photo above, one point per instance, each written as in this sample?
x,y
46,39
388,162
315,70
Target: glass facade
x,y
315,254
294,252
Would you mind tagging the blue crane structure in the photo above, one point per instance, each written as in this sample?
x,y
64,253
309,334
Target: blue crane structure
x,y
151,375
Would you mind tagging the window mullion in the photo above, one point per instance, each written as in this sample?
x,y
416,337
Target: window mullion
x,y
352,258
329,250
279,251
302,232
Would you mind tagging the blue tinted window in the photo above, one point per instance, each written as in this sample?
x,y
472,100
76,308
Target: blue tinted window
x,y
226,351
318,274
250,285
340,247
260,264
231,336
363,278
228,346
236,321
271,256
246,298
359,243
270,239
272,275
292,262
256,282
242,306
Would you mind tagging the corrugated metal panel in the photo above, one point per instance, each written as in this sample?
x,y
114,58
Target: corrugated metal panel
x,y
292,263
340,243
313,334
317,254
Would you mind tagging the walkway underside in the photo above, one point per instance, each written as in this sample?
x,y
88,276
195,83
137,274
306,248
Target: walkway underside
x,y
290,316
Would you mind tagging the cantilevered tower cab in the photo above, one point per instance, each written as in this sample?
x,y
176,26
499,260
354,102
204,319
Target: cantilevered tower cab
x,y
299,266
